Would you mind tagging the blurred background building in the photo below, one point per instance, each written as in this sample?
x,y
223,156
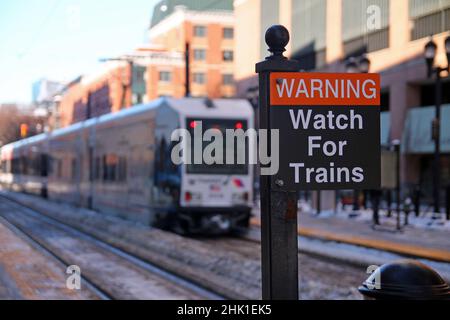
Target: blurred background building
x,y
224,39
204,29
325,34
208,29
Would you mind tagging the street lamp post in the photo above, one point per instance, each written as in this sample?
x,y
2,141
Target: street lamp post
x,y
356,65
430,54
396,144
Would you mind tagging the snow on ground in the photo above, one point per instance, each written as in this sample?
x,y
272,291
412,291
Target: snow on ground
x,y
425,220
362,255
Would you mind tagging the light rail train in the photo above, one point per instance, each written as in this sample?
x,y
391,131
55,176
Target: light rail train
x,y
120,163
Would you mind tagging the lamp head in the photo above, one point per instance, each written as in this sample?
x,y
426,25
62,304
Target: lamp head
x,y
364,64
351,65
430,54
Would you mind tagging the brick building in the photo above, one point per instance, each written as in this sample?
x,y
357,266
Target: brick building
x,y
94,95
208,28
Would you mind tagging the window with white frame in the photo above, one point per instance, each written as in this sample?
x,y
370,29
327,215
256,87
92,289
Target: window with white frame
x,y
228,33
199,77
165,76
199,31
227,79
227,55
199,54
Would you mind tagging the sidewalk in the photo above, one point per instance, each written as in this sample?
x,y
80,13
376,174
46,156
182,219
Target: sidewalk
x,y
432,244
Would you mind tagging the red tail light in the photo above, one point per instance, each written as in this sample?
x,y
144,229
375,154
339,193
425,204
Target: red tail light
x,y
193,124
238,125
238,183
187,196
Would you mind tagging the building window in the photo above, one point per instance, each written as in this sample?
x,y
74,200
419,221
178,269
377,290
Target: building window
x,y
228,33
227,79
227,55
308,46
165,76
428,17
199,31
199,78
109,167
199,54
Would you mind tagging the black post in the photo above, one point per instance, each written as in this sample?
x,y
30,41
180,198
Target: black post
x,y
365,198
319,205
397,181
417,200
375,197
447,207
279,248
355,200
436,136
187,85
389,202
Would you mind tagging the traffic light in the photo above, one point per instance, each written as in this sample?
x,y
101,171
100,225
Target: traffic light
x,y
23,130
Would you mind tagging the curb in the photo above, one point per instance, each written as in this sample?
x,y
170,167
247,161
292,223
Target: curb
x,y
402,249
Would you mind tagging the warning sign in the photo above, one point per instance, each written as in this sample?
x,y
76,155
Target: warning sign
x,y
329,126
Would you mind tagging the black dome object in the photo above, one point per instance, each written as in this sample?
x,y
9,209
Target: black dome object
x,y
277,37
406,279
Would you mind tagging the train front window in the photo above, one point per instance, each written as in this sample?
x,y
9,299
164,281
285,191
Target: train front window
x,y
217,168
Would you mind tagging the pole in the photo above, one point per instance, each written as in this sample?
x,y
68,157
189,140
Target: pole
x,y
436,137
279,247
417,200
376,206
355,200
397,178
319,207
389,202
187,84
130,83
447,198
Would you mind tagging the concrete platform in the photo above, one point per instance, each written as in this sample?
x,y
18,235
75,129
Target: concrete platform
x,y
411,241
27,273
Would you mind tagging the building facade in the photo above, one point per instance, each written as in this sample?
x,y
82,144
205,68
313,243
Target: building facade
x,y
391,33
158,68
89,96
207,27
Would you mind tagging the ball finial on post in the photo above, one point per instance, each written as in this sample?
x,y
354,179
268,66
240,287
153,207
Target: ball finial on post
x,y
277,37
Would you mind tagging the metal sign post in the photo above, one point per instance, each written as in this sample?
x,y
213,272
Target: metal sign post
x,y
329,139
279,248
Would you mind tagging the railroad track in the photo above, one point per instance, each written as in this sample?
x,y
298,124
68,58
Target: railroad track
x,y
229,265
107,271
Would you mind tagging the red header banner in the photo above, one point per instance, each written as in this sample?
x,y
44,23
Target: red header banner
x,y
329,89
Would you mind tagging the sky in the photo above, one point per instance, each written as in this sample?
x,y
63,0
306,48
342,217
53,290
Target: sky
x,y
62,39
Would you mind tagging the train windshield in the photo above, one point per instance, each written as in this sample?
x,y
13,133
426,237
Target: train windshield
x,y
222,125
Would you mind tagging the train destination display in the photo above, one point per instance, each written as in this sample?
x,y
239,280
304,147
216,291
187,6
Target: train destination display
x,y
329,130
